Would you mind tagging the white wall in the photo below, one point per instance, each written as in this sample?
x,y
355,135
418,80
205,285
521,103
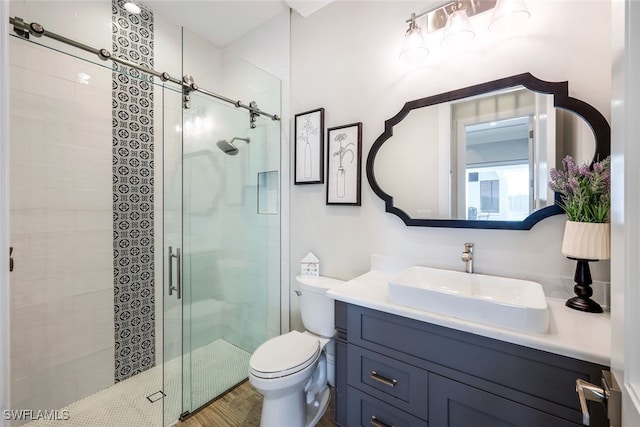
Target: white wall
x,y
345,59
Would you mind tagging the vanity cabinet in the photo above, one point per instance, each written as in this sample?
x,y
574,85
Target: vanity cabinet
x,y
396,371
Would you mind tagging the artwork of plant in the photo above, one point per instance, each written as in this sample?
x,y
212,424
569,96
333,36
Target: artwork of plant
x,y
307,130
309,147
340,153
344,164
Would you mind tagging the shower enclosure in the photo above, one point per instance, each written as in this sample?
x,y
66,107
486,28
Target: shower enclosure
x,y
221,243
146,258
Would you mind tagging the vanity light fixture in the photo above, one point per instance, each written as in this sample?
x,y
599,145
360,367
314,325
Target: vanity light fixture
x,y
509,15
458,30
414,49
131,7
453,17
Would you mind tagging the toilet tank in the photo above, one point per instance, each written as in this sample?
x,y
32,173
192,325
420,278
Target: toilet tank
x,y
316,308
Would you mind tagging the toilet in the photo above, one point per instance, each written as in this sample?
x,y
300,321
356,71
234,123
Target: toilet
x,y
292,371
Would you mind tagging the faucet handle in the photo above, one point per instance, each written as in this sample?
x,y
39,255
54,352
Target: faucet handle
x,y
467,257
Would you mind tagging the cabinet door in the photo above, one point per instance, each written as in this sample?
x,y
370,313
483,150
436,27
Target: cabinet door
x,y
454,404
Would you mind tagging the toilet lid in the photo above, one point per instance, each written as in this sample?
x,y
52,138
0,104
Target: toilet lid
x,y
284,355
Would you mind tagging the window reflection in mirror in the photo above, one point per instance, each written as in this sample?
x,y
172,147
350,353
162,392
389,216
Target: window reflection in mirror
x,y
499,169
498,152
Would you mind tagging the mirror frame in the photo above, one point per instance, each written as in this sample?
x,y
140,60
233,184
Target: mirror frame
x,y
561,99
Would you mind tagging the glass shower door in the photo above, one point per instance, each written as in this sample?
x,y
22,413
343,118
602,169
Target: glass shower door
x,y
172,306
231,232
221,246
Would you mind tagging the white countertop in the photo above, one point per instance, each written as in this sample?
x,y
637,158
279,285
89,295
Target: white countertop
x,y
584,336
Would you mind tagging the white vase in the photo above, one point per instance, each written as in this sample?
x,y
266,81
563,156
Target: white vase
x,y
587,240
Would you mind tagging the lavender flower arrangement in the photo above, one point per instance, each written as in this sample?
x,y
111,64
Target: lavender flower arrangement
x,y
584,191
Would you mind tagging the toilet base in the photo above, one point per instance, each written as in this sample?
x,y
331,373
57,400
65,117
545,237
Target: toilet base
x,y
284,412
287,411
314,413
299,399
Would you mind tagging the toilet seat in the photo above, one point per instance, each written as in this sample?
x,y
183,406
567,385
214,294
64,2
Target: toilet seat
x,y
284,355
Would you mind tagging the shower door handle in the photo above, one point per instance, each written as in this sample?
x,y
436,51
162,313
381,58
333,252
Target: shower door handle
x,y
172,288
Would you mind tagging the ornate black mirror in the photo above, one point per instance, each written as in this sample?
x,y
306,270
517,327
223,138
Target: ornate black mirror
x,y
479,157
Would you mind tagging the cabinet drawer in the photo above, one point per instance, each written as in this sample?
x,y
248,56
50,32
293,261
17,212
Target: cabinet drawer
x,y
400,384
367,411
455,404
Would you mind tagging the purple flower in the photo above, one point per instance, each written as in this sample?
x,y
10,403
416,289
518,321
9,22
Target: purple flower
x,y
606,182
570,166
584,170
572,184
556,174
597,167
584,191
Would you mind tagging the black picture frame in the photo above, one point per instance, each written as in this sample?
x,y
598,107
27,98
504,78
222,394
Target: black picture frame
x,y
343,174
308,158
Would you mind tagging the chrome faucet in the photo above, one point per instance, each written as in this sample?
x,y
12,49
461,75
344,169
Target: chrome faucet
x,y
467,257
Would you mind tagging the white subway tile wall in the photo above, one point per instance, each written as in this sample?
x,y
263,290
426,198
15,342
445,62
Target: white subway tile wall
x,y
61,212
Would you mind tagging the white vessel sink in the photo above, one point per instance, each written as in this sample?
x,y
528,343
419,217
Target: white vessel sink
x,y
509,303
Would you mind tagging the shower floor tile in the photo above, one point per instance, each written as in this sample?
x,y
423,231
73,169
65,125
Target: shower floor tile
x,y
122,404
215,368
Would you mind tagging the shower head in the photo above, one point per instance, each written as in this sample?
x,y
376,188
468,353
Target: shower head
x,y
227,146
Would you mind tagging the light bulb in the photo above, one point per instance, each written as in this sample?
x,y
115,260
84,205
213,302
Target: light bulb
x,y
132,8
458,30
414,48
509,15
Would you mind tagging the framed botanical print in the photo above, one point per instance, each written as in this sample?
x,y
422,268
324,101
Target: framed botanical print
x,y
309,147
344,164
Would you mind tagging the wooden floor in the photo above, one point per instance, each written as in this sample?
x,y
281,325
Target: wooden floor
x,y
240,407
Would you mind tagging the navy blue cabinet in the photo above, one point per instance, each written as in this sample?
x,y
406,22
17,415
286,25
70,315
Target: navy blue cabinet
x,y
455,404
395,371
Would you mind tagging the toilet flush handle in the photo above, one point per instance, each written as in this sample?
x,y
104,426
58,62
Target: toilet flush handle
x,y
298,292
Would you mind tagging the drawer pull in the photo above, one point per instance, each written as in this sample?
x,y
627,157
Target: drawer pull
x,y
377,423
384,380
